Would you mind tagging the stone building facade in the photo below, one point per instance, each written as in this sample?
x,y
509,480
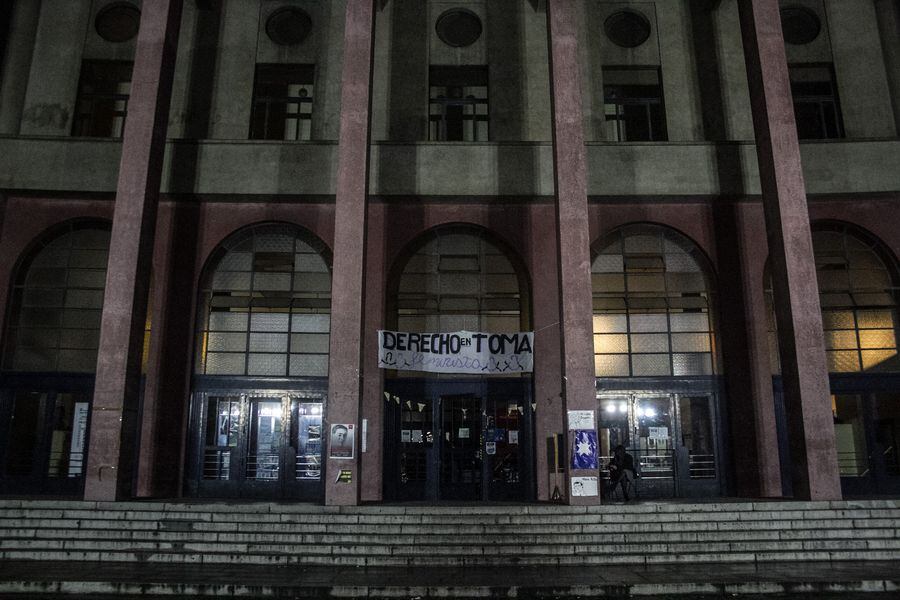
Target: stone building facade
x,y
210,209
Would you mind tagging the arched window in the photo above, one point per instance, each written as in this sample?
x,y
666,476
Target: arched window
x,y
858,296
57,301
459,280
652,301
265,306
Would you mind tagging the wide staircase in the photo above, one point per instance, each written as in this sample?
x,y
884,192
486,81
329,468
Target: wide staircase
x,y
181,549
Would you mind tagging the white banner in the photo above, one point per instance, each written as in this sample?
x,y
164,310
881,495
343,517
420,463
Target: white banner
x,y
458,352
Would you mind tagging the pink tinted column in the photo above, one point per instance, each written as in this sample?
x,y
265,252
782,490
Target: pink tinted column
x,y
575,311
114,418
798,316
347,287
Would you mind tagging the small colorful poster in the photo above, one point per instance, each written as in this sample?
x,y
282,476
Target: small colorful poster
x,y
417,436
513,436
463,433
490,447
405,436
584,449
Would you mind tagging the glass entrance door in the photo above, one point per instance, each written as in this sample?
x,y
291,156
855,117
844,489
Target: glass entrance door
x,y
866,434
459,440
45,441
259,445
461,452
671,438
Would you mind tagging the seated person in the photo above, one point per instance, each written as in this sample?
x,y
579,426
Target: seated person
x,y
621,470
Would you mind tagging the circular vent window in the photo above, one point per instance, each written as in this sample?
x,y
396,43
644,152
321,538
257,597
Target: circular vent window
x,y
458,27
288,26
800,25
627,28
118,22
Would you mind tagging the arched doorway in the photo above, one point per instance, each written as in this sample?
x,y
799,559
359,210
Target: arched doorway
x,y
858,285
49,360
261,366
458,437
656,362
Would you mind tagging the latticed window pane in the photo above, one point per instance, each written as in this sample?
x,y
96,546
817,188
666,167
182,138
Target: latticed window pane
x,y
651,289
843,361
648,365
857,294
692,364
611,365
57,301
266,284
610,343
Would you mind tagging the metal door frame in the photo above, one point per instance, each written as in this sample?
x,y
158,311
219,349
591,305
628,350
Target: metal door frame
x,y
675,388
51,384
431,390
286,487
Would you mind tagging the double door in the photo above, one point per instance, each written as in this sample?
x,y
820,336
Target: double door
x,y
43,441
458,442
672,438
866,434
257,445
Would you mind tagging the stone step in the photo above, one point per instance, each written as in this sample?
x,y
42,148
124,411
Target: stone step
x,y
647,526
461,517
531,536
155,581
580,559
459,548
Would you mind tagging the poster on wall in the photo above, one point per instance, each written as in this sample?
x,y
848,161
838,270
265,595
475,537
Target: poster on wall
x,y
342,441
76,446
584,450
457,352
584,486
581,419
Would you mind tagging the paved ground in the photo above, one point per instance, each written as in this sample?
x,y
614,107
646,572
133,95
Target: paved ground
x,y
127,580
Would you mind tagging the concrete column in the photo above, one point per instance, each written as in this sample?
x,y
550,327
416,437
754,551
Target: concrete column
x,y
52,87
347,287
569,165
888,16
232,100
114,414
859,71
802,347
16,64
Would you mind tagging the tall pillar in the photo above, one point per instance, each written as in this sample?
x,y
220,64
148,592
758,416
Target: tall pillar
x,y
573,235
347,289
16,64
114,412
52,86
888,13
800,337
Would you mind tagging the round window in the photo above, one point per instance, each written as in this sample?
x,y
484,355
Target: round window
x,y
458,27
118,22
800,25
627,28
288,26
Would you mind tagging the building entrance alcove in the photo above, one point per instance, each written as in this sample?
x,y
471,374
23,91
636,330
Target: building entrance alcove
x,y
466,437
260,378
459,440
658,374
49,360
858,284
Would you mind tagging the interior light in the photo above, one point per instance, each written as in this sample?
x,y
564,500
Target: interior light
x,y
623,408
609,407
316,409
650,413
